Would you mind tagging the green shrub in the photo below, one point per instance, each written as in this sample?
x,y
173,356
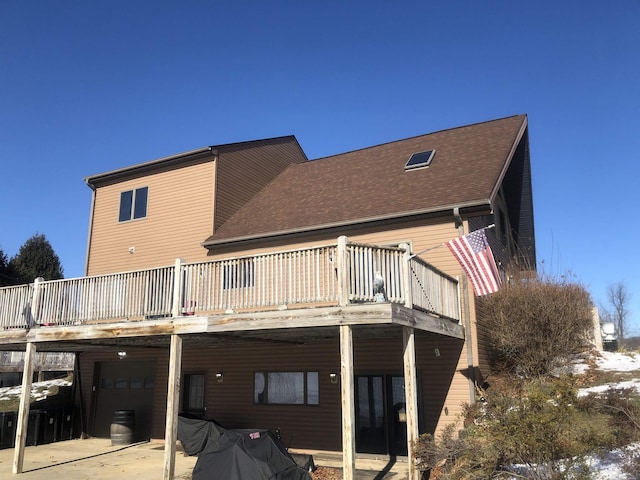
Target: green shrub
x,y
544,433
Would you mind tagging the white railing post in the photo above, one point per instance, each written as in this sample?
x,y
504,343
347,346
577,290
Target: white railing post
x,y
343,271
407,289
35,302
176,309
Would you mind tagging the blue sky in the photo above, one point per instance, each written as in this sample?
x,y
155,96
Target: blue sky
x,y
87,87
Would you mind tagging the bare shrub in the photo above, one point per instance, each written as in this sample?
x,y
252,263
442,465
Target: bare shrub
x,y
534,325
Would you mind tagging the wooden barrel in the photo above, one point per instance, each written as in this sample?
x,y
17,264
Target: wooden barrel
x,y
122,427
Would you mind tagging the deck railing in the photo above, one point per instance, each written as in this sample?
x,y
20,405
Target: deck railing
x,y
45,361
304,276
433,291
337,274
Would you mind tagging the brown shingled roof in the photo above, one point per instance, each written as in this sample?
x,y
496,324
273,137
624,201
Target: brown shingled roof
x,y
372,183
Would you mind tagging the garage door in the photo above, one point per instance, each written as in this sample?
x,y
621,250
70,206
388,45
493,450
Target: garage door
x,y
124,385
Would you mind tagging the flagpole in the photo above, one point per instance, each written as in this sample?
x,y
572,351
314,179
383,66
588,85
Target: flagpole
x,y
444,243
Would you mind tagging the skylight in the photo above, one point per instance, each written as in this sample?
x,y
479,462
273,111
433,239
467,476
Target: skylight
x,y
420,160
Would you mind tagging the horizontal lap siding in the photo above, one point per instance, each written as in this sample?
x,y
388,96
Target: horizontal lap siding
x,y
303,426
179,218
445,388
484,357
244,171
231,402
441,387
419,235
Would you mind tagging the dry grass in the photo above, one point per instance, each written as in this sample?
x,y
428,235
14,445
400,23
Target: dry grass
x,y
327,473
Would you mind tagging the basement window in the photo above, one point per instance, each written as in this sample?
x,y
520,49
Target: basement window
x,y
420,160
193,394
286,388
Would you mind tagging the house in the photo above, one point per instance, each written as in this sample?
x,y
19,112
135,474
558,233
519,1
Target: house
x,y
247,284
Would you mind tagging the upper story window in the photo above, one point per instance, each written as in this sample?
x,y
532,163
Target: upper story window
x,y
133,204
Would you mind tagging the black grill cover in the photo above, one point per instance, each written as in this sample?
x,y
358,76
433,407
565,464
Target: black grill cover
x,y
241,454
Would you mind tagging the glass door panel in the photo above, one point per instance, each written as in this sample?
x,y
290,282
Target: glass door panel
x,y
370,415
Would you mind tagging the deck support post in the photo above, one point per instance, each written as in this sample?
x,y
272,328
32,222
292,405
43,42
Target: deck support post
x,y
348,405
173,402
23,411
411,397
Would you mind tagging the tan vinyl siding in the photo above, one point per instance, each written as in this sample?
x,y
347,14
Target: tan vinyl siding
x,y
444,387
179,217
484,360
419,235
244,171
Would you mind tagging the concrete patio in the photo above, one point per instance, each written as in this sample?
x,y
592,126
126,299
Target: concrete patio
x,y
97,459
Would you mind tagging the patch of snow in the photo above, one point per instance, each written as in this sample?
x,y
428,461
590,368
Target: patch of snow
x,y
39,390
618,362
635,384
609,467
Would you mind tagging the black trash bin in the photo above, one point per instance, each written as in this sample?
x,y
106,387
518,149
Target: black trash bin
x,y
66,424
8,429
123,426
35,428
50,425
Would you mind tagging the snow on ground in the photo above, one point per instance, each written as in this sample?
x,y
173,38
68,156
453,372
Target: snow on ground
x,y
609,467
618,386
619,361
614,362
39,390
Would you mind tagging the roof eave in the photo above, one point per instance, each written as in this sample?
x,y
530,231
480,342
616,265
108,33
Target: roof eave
x,y
476,207
100,178
145,167
512,151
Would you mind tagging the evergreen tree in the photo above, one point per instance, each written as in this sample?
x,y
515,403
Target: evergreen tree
x,y
6,276
36,258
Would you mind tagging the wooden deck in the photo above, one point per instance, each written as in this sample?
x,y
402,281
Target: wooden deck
x,y
306,288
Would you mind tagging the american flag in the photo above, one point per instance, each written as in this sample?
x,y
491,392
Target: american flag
x,y
476,258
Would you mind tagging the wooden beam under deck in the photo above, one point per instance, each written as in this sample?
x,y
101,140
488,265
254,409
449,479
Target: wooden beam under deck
x,y
267,323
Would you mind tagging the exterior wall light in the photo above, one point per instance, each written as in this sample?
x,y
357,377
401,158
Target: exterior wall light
x,y
219,377
122,355
333,377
